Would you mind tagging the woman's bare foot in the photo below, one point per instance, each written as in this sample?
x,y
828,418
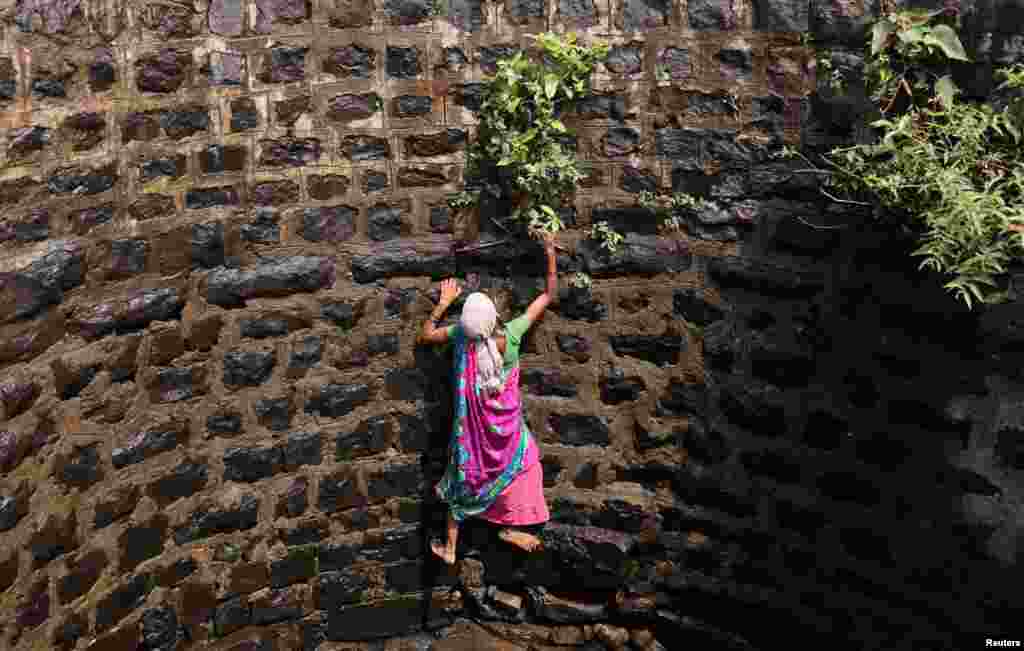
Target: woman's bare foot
x,y
520,539
442,552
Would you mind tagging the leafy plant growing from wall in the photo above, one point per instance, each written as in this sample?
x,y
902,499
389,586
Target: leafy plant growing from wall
x,y
521,144
952,171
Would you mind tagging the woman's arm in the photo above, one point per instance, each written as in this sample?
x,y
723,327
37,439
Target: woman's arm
x,y
539,304
431,334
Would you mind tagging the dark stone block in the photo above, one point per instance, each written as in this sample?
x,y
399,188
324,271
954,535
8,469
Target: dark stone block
x,y
648,439
342,315
370,437
781,15
782,362
421,177
385,222
66,634
263,328
758,408
579,304
207,245
289,152
35,228
306,353
141,543
360,148
252,464
303,449
306,533
617,388
122,601
264,229
642,15
288,111
403,62
185,479
186,121
469,95
574,345
690,305
490,55
244,115
601,107
527,8
200,198
847,486
232,615
34,608
275,413
353,61
175,384
102,76
636,255
299,565
579,429
144,445
338,492
662,350
284,65
637,180
409,106
70,180
680,144
164,72
395,481
217,158
160,630
330,224
128,256
374,181
26,140
207,523
270,277
83,467
224,424
674,63
764,277
335,589
621,141
682,399
712,15
382,344
123,503
295,499
625,59
248,368
466,15
407,384
390,618
12,510
548,382
157,167
337,400
344,108
49,87
736,63
403,258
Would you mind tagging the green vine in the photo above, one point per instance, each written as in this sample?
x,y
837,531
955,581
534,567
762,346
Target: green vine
x,y
609,238
952,171
521,141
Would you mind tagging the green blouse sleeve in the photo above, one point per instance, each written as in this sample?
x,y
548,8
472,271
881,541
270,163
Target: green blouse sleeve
x,y
514,332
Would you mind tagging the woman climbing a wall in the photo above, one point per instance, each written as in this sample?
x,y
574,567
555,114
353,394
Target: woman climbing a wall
x,y
494,469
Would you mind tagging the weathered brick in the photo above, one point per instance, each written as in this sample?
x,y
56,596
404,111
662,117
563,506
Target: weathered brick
x,y
283,65
119,603
141,543
204,523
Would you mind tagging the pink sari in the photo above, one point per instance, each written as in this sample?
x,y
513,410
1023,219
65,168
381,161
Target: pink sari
x,y
494,469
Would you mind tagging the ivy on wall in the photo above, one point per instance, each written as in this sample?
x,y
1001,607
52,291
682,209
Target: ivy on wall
x,y
952,171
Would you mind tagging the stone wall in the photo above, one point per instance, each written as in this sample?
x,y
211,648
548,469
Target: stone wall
x,y
221,226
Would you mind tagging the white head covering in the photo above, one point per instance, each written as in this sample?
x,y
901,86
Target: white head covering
x,y
479,318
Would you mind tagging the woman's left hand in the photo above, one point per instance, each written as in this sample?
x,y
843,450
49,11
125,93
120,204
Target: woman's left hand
x,y
450,290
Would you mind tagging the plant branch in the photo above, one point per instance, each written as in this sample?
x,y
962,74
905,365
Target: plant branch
x,y
838,200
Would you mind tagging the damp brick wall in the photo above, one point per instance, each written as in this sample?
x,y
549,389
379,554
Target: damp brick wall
x,y
221,226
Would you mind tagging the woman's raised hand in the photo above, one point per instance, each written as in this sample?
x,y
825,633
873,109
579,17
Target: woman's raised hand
x,y
549,242
450,290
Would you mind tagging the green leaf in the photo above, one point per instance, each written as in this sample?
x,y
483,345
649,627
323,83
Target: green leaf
x,y
913,35
880,34
946,39
946,91
550,85
558,126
